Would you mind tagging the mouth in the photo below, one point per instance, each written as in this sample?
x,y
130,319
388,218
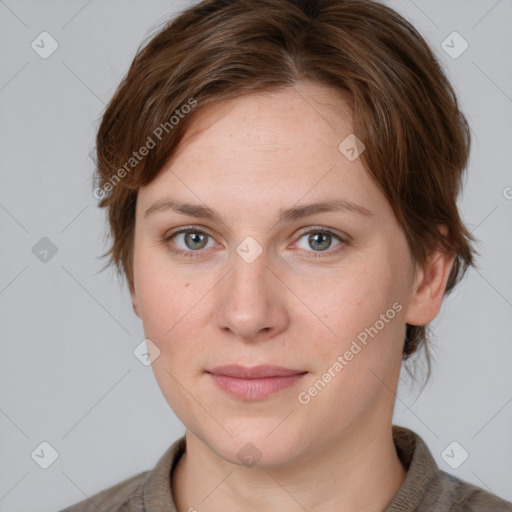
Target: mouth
x,y
254,372
256,382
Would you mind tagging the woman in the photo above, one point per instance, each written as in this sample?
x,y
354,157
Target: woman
x,y
281,180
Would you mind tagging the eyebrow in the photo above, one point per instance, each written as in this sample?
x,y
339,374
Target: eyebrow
x,y
286,215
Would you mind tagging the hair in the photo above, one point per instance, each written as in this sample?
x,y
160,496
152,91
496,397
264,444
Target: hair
x,y
404,110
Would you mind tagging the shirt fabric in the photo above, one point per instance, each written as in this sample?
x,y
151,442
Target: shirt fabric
x,y
426,488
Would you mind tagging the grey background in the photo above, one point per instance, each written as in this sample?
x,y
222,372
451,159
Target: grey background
x,y
68,374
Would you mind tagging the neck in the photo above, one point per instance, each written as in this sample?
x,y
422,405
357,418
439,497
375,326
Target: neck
x,y
358,471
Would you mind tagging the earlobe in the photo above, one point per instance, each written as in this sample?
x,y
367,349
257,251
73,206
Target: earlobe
x,y
429,288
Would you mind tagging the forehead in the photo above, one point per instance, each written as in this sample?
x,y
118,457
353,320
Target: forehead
x,y
274,117
275,149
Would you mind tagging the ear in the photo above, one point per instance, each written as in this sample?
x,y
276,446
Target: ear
x,y
430,285
135,300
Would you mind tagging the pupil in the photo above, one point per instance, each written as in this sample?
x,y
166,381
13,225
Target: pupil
x,y
194,238
325,236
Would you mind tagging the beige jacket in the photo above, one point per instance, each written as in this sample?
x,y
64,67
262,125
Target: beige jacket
x,y
425,489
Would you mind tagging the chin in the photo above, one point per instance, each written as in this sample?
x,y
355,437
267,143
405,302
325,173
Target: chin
x,y
255,444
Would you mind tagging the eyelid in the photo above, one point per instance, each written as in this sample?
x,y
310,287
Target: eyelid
x,y
343,237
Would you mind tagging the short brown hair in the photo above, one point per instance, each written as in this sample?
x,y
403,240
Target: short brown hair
x,y
404,109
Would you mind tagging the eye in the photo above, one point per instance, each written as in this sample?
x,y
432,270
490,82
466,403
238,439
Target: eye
x,y
189,241
320,240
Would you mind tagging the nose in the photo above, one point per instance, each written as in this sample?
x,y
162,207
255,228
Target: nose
x,y
252,300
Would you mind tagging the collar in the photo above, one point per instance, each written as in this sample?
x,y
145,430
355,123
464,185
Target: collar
x,y
421,468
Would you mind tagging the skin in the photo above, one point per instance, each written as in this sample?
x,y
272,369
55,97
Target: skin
x,y
247,158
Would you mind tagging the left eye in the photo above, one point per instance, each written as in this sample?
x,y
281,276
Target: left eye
x,y
319,240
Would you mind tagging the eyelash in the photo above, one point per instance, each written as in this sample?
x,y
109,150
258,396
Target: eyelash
x,y
199,253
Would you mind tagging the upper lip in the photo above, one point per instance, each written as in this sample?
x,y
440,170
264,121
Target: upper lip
x,y
254,372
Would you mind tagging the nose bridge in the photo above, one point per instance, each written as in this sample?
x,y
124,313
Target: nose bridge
x,y
250,303
249,277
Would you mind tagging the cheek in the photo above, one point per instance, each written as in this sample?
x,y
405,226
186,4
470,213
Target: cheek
x,y
366,314
358,297
176,312
162,296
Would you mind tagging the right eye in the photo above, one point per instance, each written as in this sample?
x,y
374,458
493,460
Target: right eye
x,y
189,242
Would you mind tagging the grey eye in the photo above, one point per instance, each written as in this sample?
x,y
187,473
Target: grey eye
x,y
319,241
193,240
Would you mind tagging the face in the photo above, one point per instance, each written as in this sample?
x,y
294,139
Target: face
x,y
322,292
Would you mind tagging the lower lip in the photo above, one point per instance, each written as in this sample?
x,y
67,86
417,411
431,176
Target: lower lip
x,y
254,389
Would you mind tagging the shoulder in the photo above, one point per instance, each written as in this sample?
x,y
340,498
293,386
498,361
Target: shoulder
x,y
125,496
429,489
460,496
149,490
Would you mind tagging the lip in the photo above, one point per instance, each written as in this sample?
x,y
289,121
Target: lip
x,y
253,372
256,382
